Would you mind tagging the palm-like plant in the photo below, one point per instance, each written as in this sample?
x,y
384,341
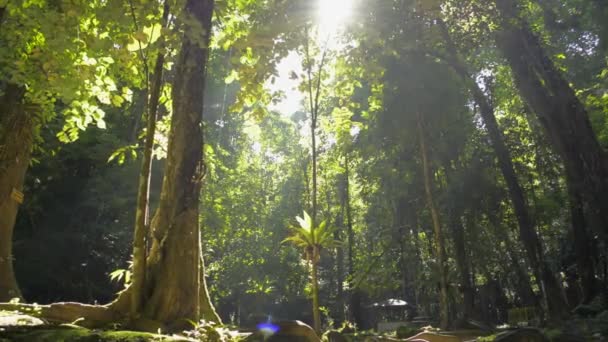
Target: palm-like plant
x,y
312,240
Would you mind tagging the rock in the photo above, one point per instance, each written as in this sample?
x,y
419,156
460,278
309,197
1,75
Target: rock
x,y
8,319
433,337
522,335
286,331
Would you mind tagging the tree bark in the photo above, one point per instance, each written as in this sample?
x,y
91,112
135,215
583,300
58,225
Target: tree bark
x,y
559,111
142,221
16,129
438,236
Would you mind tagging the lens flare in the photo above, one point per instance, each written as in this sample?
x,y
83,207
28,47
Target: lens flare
x,y
267,328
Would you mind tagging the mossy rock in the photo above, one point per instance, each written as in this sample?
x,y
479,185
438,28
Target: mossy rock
x,y
71,334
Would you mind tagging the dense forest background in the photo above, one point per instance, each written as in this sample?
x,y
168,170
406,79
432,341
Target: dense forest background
x,y
454,149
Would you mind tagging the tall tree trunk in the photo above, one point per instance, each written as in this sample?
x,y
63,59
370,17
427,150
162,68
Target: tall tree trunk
x,y
16,129
462,264
313,94
173,287
523,282
142,221
356,311
560,112
460,250
527,233
438,236
315,286
339,236
583,248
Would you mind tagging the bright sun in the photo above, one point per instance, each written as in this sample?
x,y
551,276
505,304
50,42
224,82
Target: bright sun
x,y
332,14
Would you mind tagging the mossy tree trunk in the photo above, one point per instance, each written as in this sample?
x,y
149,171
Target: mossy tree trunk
x,y
16,130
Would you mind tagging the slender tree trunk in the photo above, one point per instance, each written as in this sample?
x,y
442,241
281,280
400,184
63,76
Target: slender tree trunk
x,y
462,263
173,287
313,94
16,129
527,233
315,285
356,311
142,221
560,112
315,291
418,261
338,236
438,236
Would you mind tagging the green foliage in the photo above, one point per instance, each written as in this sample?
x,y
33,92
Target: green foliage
x,y
310,238
85,65
121,275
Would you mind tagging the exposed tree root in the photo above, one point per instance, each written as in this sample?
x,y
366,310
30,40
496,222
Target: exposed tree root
x,y
90,316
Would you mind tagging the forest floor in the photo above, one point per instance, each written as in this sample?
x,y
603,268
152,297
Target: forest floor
x,y
20,327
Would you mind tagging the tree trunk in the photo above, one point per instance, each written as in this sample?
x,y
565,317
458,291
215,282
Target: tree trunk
x,y
314,112
173,286
142,221
315,292
207,310
356,311
438,236
527,233
523,282
315,286
462,264
583,248
338,236
16,129
559,111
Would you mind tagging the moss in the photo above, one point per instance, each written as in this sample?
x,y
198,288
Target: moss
x,y
69,334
